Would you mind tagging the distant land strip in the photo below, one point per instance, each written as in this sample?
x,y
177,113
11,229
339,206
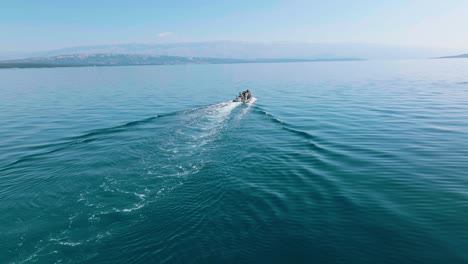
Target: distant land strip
x,y
110,59
461,56
7,65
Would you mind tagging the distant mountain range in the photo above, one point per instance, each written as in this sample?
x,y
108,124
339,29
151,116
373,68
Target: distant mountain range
x,y
252,50
454,57
110,59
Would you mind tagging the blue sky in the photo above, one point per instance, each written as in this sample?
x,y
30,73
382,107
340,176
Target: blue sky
x,y
42,25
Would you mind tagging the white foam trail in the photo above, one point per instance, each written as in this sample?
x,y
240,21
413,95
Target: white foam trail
x,y
210,119
247,109
253,100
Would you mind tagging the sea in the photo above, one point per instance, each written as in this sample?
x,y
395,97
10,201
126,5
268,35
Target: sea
x,y
332,162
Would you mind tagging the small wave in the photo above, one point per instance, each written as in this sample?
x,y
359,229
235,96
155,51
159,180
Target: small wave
x,y
73,244
136,207
330,151
285,125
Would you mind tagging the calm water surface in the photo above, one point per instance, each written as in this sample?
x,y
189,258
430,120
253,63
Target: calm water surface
x,y
336,162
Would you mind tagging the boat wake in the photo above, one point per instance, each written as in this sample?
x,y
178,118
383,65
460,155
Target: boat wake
x,y
118,173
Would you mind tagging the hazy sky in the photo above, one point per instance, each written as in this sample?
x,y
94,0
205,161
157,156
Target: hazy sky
x,y
41,25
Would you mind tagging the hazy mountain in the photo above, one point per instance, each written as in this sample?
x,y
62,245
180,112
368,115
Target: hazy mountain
x,y
253,50
454,57
110,59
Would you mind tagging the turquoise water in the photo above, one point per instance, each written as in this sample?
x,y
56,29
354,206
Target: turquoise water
x,y
337,162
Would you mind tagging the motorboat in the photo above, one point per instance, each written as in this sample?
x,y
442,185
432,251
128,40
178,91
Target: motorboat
x,y
244,97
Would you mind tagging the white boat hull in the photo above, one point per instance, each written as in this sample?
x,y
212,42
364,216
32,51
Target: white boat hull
x,y
238,99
